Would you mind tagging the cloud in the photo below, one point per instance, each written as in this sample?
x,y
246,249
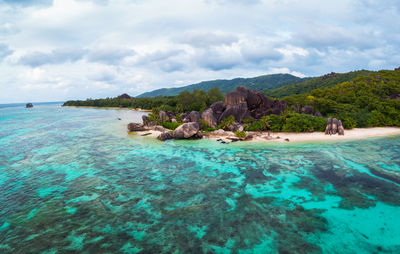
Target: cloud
x,y
260,50
4,51
57,56
203,39
87,48
219,58
322,36
111,56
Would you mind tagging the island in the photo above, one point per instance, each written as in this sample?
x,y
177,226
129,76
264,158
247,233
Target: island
x,y
335,104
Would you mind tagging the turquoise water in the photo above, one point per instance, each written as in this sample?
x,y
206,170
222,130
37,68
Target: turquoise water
x,y
73,180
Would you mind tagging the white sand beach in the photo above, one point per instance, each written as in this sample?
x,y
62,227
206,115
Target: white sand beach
x,y
357,133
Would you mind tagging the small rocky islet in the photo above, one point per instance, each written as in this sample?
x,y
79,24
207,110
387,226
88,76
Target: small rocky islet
x,y
238,105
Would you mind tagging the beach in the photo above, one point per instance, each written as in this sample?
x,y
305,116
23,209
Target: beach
x,y
284,137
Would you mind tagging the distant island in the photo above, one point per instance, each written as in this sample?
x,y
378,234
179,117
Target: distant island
x,y
358,99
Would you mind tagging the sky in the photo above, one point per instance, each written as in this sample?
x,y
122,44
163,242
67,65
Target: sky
x,y
56,50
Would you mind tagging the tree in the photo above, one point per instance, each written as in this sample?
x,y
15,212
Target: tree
x,y
214,95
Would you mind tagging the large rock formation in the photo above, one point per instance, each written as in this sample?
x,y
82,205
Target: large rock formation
x,y
158,128
146,120
235,97
340,128
208,116
218,108
192,116
29,105
165,136
307,110
163,116
136,127
238,111
187,130
277,107
328,129
241,104
334,126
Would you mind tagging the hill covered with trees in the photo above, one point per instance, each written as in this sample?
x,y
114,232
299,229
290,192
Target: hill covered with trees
x,y
365,101
261,83
325,81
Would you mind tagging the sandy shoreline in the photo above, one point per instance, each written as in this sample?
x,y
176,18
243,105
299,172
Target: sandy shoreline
x,y
284,137
134,109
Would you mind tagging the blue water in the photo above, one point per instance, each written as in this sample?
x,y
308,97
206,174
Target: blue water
x,y
73,180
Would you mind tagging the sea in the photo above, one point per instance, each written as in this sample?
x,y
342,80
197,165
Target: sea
x,y
73,180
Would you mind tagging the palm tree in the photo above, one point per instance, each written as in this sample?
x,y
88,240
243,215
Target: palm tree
x,y
266,123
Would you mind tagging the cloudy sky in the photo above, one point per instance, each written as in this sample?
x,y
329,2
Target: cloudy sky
x,y
54,50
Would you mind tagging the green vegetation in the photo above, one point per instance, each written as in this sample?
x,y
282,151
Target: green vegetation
x,y
365,99
197,100
260,83
361,102
288,122
143,103
295,122
322,82
224,124
170,125
204,126
240,134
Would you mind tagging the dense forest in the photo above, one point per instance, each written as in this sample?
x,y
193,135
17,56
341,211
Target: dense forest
x,y
186,101
365,99
261,83
325,81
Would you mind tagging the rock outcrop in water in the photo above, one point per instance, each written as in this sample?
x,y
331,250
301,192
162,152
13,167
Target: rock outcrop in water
x,y
136,127
165,136
29,105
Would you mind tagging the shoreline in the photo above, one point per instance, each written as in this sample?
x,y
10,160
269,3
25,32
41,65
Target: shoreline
x,y
353,134
133,109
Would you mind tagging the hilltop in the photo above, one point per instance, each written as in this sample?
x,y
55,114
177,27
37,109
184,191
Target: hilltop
x,y
261,83
325,81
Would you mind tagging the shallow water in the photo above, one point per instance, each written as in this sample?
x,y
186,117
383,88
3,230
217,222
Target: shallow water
x,y
73,180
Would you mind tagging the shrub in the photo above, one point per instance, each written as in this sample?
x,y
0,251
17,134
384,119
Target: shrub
x,y
303,123
362,118
170,125
240,134
379,119
154,117
255,126
270,122
249,120
276,122
226,122
204,126
178,118
348,122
